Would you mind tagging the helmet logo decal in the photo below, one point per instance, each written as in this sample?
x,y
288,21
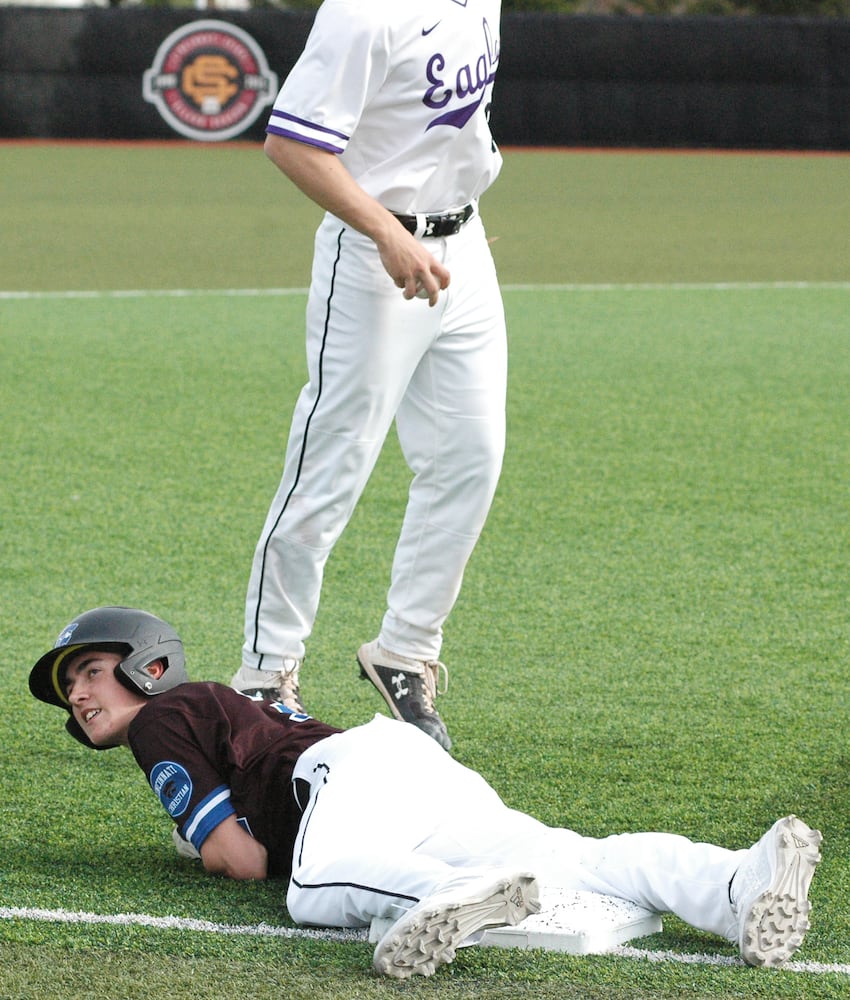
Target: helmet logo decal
x,y
65,636
173,786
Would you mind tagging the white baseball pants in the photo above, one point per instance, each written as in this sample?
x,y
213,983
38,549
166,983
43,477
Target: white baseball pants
x,y
374,357
392,818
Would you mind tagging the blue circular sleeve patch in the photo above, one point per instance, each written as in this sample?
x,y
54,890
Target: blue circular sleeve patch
x,y
173,786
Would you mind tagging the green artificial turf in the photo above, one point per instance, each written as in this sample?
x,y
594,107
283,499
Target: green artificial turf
x,y
652,633
176,215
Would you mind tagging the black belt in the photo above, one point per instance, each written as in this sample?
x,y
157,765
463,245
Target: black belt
x,y
436,226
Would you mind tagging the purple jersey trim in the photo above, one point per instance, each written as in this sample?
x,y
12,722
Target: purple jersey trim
x,y
308,124
273,130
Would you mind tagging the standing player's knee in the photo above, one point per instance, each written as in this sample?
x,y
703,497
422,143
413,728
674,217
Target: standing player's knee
x,y
479,460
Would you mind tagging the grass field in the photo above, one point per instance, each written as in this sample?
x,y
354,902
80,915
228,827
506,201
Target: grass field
x,y
653,631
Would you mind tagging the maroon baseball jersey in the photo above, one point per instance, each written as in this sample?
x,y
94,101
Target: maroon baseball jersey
x,y
210,752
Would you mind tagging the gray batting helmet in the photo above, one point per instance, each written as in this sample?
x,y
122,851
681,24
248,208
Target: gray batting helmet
x,y
139,637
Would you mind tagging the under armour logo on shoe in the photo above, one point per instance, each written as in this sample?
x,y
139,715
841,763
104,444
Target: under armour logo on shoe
x,y
399,682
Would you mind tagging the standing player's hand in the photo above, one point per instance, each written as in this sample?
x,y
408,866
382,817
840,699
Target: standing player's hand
x,y
413,269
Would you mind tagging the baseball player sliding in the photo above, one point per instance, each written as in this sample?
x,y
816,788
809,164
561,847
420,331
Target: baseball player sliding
x,y
383,122
378,821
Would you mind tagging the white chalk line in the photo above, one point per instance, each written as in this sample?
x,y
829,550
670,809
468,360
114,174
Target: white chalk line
x,y
354,935
177,293
154,293
813,968
179,924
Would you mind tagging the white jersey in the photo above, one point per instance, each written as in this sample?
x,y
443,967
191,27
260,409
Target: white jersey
x,y
401,92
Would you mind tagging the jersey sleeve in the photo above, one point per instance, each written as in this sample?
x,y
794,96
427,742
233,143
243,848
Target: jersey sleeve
x,y
179,758
344,62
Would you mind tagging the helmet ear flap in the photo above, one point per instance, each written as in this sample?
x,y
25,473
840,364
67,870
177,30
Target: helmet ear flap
x,y
133,670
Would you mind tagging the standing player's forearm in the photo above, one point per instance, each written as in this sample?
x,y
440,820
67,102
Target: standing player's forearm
x,y
324,179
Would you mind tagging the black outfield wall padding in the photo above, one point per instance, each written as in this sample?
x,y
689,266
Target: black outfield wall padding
x,y
745,83
716,82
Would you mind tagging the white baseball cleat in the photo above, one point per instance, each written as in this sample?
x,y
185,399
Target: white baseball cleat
x,y
769,892
429,934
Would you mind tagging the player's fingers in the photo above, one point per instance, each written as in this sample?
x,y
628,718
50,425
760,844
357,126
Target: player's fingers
x,y
424,292
409,286
431,282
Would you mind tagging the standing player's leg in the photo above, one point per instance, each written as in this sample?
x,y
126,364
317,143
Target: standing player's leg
x,y
451,427
359,366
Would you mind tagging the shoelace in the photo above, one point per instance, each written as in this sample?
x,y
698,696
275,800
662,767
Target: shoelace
x,y
434,673
288,684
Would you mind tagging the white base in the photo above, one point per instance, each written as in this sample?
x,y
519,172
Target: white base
x,y
577,923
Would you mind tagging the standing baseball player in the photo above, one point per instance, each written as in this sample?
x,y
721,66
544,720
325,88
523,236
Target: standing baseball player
x,y
383,122
378,821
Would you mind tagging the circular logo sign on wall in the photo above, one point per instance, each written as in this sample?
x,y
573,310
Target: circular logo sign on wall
x,y
209,81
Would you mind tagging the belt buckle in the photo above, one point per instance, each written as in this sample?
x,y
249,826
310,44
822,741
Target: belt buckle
x,y
459,219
